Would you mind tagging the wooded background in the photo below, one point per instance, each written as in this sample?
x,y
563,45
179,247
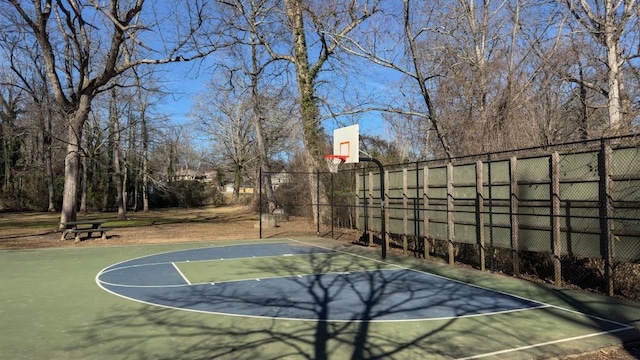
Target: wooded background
x,y
83,84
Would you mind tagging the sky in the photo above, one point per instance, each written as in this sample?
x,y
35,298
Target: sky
x,y
185,80
184,83
182,86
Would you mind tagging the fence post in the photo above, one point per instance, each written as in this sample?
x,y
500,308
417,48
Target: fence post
x,y
555,217
371,207
260,201
357,207
425,210
492,262
450,219
514,208
480,216
405,214
606,213
332,204
385,215
318,218
384,198
416,209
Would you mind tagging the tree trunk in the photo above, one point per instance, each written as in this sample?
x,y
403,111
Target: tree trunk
x,y
107,186
72,160
85,179
117,177
314,151
257,123
266,166
47,141
108,176
145,161
8,116
125,179
237,182
145,177
584,114
613,105
312,132
117,170
264,162
7,137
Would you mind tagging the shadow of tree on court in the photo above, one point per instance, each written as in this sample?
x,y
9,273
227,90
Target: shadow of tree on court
x,y
345,303
593,314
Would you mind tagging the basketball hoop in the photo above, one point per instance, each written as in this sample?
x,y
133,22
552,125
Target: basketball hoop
x,y
334,161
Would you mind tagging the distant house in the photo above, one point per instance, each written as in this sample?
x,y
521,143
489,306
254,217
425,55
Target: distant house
x,y
210,176
243,189
280,178
187,174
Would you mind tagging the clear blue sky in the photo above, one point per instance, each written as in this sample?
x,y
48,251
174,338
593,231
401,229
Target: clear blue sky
x,y
184,82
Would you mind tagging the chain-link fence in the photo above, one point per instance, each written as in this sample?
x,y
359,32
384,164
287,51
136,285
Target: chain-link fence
x,y
325,198
567,214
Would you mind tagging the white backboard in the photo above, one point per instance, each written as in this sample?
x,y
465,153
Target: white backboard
x,y
346,142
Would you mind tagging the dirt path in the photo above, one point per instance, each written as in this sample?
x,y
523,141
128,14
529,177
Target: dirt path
x,y
26,230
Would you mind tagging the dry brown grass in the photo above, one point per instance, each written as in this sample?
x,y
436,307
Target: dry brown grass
x,y
22,230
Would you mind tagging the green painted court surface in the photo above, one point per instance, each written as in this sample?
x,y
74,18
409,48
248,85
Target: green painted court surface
x,y
52,308
250,268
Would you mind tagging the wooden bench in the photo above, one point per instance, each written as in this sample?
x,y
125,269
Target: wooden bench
x,y
88,226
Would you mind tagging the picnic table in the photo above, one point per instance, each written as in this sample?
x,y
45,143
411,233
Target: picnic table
x,y
84,226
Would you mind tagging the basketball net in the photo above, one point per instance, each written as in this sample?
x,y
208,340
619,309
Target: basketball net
x,y
334,161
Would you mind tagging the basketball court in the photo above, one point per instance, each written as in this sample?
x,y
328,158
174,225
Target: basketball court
x,y
286,298
284,280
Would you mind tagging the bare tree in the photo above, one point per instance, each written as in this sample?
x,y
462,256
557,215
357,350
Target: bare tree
x,y
607,21
469,71
326,24
26,68
72,36
115,133
9,111
248,58
225,118
394,44
143,102
144,132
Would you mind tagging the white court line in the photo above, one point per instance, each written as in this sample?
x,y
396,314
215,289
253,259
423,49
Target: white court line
x,y
506,351
100,281
116,268
623,326
168,286
213,246
221,281
181,274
